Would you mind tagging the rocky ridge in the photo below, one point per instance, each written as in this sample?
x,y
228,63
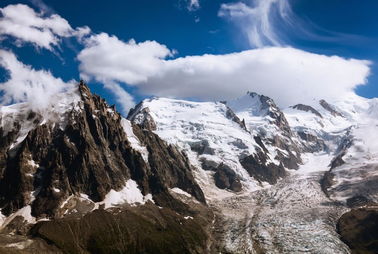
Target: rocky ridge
x,y
92,159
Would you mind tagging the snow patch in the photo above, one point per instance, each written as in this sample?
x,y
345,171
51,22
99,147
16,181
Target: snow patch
x,y
24,212
134,141
181,192
130,194
33,164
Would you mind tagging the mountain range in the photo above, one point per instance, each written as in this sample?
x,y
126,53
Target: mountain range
x,y
177,176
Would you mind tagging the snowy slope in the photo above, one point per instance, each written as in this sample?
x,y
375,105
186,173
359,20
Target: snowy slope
x,y
206,131
263,118
357,126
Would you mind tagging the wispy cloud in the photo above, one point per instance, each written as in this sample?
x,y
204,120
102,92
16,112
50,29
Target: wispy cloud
x,y
272,22
258,19
193,5
42,6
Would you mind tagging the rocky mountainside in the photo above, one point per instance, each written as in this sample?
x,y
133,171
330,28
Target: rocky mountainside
x,y
61,170
176,176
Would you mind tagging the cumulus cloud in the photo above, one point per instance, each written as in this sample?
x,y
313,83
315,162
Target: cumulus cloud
x,y
23,23
26,84
287,75
137,61
127,62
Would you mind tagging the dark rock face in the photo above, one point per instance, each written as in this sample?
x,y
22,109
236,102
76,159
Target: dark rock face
x,y
308,109
226,178
257,167
312,143
274,112
260,143
337,161
168,167
283,138
209,164
201,147
231,115
345,144
330,108
327,181
144,229
92,155
359,201
146,122
359,230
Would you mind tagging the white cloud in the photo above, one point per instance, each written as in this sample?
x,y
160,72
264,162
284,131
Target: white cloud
x,y
28,85
258,21
120,61
23,23
41,6
123,98
128,62
193,5
287,75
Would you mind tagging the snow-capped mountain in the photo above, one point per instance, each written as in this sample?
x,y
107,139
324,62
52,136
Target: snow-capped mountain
x,y
239,176
323,152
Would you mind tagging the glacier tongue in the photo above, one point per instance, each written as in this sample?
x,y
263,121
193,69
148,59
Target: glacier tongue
x,y
293,216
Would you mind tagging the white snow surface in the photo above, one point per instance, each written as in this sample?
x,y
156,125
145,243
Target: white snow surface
x,y
130,194
181,192
134,141
25,212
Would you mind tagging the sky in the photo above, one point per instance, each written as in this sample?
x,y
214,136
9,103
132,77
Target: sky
x,y
126,50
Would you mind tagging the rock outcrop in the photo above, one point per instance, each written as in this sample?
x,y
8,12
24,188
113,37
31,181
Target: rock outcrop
x,y
359,230
307,108
330,108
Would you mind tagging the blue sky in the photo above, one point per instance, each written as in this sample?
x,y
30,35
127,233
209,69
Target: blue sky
x,y
346,28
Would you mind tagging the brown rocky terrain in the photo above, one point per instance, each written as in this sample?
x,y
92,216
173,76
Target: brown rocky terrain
x,y
359,230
